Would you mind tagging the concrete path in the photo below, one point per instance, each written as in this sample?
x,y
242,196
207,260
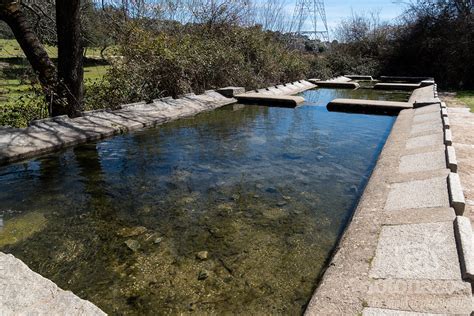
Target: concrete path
x,y
405,251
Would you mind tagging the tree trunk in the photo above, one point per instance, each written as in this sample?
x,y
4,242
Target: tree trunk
x,y
70,53
11,13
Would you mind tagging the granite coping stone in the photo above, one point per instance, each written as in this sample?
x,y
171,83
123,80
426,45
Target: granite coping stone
x,y
24,292
229,92
423,162
359,77
431,116
398,177
370,311
456,195
463,231
428,109
417,251
446,123
420,215
452,297
451,159
427,127
273,100
434,139
448,137
397,86
422,95
418,194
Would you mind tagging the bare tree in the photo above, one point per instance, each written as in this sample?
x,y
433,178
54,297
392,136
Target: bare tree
x,y
271,15
214,12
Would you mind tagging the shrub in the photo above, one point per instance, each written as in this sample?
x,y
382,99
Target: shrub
x,y
18,112
155,64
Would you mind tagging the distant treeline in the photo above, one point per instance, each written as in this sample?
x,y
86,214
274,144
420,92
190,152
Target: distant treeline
x,y
432,38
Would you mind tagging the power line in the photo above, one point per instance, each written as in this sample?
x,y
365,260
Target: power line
x,y
315,12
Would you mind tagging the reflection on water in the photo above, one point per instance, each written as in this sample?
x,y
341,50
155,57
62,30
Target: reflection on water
x,y
235,210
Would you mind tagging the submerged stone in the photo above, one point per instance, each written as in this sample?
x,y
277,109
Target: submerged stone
x,y
202,255
271,190
132,244
274,213
21,228
202,275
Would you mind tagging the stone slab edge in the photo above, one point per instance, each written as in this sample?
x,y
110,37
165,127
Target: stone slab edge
x,y
463,233
25,292
341,298
448,137
371,311
456,196
344,283
451,160
446,123
8,158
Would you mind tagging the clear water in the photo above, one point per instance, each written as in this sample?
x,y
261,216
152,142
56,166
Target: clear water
x,y
265,191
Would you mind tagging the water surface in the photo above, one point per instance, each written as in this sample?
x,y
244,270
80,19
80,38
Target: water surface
x,y
233,211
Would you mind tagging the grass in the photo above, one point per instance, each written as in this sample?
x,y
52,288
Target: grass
x,y
466,97
9,48
15,70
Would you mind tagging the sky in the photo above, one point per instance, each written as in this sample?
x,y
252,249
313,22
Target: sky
x,y
337,10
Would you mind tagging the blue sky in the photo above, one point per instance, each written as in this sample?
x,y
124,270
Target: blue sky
x,y
336,10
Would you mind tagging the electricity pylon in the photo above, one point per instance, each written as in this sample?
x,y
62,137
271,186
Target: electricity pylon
x,y
315,12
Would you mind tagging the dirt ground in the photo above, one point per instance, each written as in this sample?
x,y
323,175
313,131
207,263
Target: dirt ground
x,y
462,126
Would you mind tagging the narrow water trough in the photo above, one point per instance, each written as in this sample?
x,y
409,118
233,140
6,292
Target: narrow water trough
x,y
238,208
215,213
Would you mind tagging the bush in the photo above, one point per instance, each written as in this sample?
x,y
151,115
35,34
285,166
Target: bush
x,y
157,64
22,110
